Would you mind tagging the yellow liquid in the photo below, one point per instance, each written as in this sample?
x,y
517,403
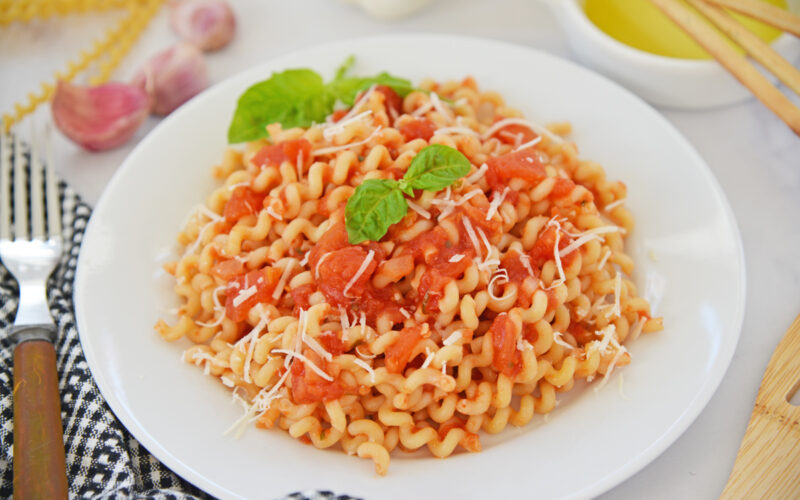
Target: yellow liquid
x,y
640,24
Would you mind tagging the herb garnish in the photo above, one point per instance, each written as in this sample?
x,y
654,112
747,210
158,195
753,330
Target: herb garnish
x,y
300,98
378,203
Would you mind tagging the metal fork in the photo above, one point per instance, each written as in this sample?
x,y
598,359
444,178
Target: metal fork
x,y
30,247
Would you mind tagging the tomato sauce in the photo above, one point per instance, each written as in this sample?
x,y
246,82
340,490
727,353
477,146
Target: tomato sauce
x,y
308,386
243,202
264,280
275,154
391,99
507,359
334,262
399,353
524,164
420,128
510,133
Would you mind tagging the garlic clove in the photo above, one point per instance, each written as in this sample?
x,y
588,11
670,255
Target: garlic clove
x,y
101,117
172,77
209,24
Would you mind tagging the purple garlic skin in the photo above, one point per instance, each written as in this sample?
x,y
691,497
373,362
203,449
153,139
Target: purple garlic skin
x,y
172,77
102,117
208,24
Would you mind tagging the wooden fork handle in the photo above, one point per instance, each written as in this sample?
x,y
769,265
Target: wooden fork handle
x,y
39,465
768,463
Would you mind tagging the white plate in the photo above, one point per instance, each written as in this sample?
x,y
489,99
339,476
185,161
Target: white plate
x,y
591,442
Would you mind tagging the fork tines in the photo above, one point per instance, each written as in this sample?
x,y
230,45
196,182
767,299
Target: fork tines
x,y
29,200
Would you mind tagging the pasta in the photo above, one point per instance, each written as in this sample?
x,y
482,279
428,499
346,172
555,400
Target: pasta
x,y
475,311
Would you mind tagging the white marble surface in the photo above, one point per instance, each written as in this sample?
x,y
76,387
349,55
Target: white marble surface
x,y
755,157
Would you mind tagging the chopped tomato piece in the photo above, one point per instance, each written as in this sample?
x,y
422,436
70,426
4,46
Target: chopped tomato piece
x,y
264,282
300,295
275,154
562,188
339,114
420,128
517,271
332,343
523,164
581,334
507,359
399,353
228,269
543,249
243,202
515,134
339,267
391,99
308,386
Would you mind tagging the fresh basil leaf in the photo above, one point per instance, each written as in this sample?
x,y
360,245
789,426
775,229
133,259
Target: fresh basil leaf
x,y
347,88
293,98
344,67
435,167
375,205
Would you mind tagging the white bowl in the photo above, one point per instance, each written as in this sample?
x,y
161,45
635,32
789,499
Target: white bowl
x,y
665,81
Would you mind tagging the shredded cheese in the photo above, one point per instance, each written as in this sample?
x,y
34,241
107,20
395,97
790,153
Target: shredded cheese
x,y
282,281
494,205
321,259
299,165
413,206
330,131
365,356
304,260
615,311
586,236
457,130
244,295
526,263
405,313
614,204
529,144
307,361
275,215
428,360
335,149
361,270
471,233
363,364
437,103
253,338
620,351
453,338
476,176
525,123
558,339
456,258
603,260
423,109
315,346
501,274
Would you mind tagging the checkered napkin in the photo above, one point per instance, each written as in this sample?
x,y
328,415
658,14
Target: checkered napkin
x,y
103,459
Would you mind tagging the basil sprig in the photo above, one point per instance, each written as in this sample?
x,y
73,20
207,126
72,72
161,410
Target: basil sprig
x,y
300,98
378,203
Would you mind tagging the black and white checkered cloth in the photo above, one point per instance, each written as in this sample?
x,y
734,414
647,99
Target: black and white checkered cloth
x,y
103,459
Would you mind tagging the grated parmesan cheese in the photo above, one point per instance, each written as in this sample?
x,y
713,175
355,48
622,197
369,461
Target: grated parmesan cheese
x,y
453,338
494,205
331,130
471,233
428,360
525,123
244,295
363,364
476,176
614,204
586,236
501,274
456,258
307,361
604,259
315,346
334,149
526,263
413,206
282,281
529,144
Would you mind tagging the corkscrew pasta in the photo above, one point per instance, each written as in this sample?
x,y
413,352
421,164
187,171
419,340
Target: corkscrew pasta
x,y
475,311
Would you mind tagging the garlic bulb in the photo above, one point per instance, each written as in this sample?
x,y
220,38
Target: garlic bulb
x,y
209,24
172,77
101,117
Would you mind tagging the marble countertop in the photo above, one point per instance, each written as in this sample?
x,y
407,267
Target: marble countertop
x,y
755,157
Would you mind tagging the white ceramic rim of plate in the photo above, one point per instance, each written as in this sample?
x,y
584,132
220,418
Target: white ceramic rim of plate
x,y
698,403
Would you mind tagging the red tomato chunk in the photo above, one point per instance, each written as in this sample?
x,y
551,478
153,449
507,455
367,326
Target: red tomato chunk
x,y
264,281
399,354
421,128
275,154
507,359
243,202
523,164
